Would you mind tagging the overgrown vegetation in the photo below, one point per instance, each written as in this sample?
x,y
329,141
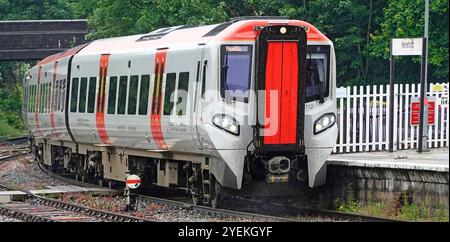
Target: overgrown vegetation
x,y
407,211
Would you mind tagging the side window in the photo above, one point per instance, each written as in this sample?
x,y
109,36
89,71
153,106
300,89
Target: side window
x,y
132,95
42,98
122,94
91,94
33,93
204,79
183,86
58,94
82,102
170,90
55,101
143,94
63,94
74,95
49,96
112,94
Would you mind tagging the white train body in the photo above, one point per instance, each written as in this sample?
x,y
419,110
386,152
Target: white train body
x,y
111,96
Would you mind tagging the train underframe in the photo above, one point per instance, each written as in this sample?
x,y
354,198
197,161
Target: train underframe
x,y
108,166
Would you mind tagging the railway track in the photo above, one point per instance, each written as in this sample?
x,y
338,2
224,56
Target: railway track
x,y
42,209
19,147
252,209
238,207
180,204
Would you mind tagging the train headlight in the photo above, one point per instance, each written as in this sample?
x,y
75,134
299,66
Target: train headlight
x,y
227,123
324,122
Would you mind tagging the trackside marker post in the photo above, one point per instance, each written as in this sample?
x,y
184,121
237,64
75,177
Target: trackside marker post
x,y
132,182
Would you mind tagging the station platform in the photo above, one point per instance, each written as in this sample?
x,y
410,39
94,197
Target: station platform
x,y
437,160
7,196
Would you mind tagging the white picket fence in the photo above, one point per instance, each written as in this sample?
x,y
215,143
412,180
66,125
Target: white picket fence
x,y
363,118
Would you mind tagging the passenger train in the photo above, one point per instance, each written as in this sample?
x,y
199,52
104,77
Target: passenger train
x,y
202,108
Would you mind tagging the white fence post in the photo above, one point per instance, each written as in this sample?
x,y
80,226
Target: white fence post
x,y
366,127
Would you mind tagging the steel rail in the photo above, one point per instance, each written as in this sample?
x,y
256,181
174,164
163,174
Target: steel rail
x,y
186,205
104,215
289,211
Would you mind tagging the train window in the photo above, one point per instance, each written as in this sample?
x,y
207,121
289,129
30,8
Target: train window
x,y
33,94
183,86
42,98
44,101
49,96
169,94
122,94
204,79
143,94
112,94
132,95
318,77
63,94
30,104
55,96
236,62
58,94
82,101
91,94
74,95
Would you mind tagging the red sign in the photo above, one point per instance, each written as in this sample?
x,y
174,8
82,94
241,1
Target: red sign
x,y
415,112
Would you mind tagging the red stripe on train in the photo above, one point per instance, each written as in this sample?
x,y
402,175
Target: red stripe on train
x,y
52,113
100,114
155,111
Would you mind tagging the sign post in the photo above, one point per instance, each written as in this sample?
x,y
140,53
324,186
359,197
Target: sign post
x,y
132,182
423,126
399,47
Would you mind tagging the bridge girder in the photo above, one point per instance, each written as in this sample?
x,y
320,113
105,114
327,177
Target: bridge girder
x,y
37,39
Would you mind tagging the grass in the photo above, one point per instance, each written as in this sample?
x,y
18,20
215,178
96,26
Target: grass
x,y
409,212
7,131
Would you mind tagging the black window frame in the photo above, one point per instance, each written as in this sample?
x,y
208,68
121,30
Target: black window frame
x,y
132,99
143,100
327,52
91,94
74,94
168,104
82,103
122,96
180,79
221,62
112,96
63,94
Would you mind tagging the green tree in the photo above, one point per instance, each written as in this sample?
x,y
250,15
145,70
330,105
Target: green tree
x,y
121,17
405,18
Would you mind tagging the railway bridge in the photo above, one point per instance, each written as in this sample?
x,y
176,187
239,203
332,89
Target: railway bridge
x,y
35,39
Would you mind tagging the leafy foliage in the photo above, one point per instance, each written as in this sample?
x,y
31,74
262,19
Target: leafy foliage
x,y
360,30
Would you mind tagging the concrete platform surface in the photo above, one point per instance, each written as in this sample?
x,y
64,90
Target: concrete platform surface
x,y
436,159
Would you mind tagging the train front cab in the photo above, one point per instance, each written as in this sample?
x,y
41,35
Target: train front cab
x,y
295,130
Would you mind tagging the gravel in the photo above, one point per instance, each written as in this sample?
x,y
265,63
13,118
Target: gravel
x,y
7,219
22,173
152,211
